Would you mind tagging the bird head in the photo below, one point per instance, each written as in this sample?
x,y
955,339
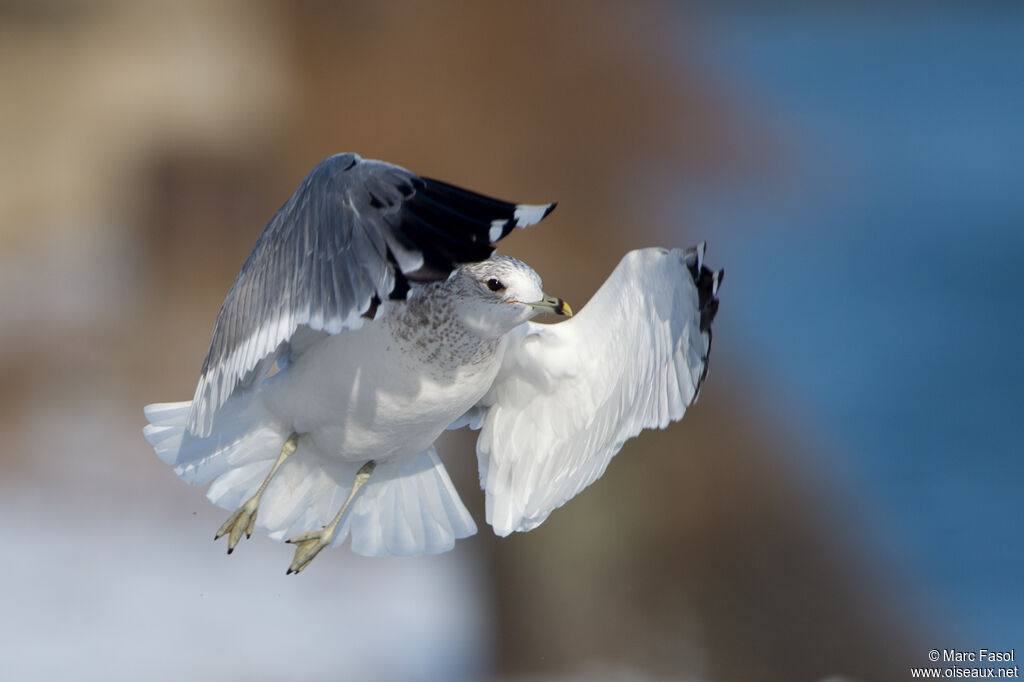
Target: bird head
x,y
503,292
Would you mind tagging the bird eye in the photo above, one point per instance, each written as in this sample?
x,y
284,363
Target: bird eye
x,y
494,285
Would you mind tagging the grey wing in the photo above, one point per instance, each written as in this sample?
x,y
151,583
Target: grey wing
x,y
354,233
569,395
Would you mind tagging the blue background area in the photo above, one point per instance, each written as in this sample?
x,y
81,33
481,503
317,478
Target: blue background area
x,y
874,273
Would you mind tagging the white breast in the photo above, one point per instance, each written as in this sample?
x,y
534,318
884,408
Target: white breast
x,y
386,390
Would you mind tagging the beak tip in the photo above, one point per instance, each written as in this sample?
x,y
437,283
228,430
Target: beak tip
x,y
564,308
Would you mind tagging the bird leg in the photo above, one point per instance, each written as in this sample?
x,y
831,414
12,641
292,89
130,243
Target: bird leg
x,y
308,545
243,520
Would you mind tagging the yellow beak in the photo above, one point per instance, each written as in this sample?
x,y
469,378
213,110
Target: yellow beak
x,y
550,304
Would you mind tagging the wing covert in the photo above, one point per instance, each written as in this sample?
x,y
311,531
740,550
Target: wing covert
x,y
569,395
354,233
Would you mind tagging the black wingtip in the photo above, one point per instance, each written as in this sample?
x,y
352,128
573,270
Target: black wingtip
x,y
708,283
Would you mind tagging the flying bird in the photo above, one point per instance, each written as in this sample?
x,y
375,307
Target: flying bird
x,y
371,316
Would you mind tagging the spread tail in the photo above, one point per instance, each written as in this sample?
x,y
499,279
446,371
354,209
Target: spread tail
x,y
408,507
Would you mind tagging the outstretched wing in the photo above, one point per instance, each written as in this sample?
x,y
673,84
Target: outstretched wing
x,y
354,233
569,395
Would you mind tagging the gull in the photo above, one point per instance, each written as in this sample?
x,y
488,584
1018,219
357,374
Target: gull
x,y
372,315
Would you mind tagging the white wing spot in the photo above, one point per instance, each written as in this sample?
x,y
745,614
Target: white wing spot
x,y
497,226
530,214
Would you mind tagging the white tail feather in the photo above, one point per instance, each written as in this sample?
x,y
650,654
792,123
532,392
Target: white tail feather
x,y
408,507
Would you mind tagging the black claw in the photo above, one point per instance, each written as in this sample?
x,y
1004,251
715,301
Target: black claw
x,y
230,550
288,572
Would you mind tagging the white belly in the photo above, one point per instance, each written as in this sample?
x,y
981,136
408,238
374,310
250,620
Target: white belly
x,y
369,394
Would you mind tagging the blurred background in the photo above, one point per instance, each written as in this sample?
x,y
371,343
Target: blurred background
x,y
845,496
